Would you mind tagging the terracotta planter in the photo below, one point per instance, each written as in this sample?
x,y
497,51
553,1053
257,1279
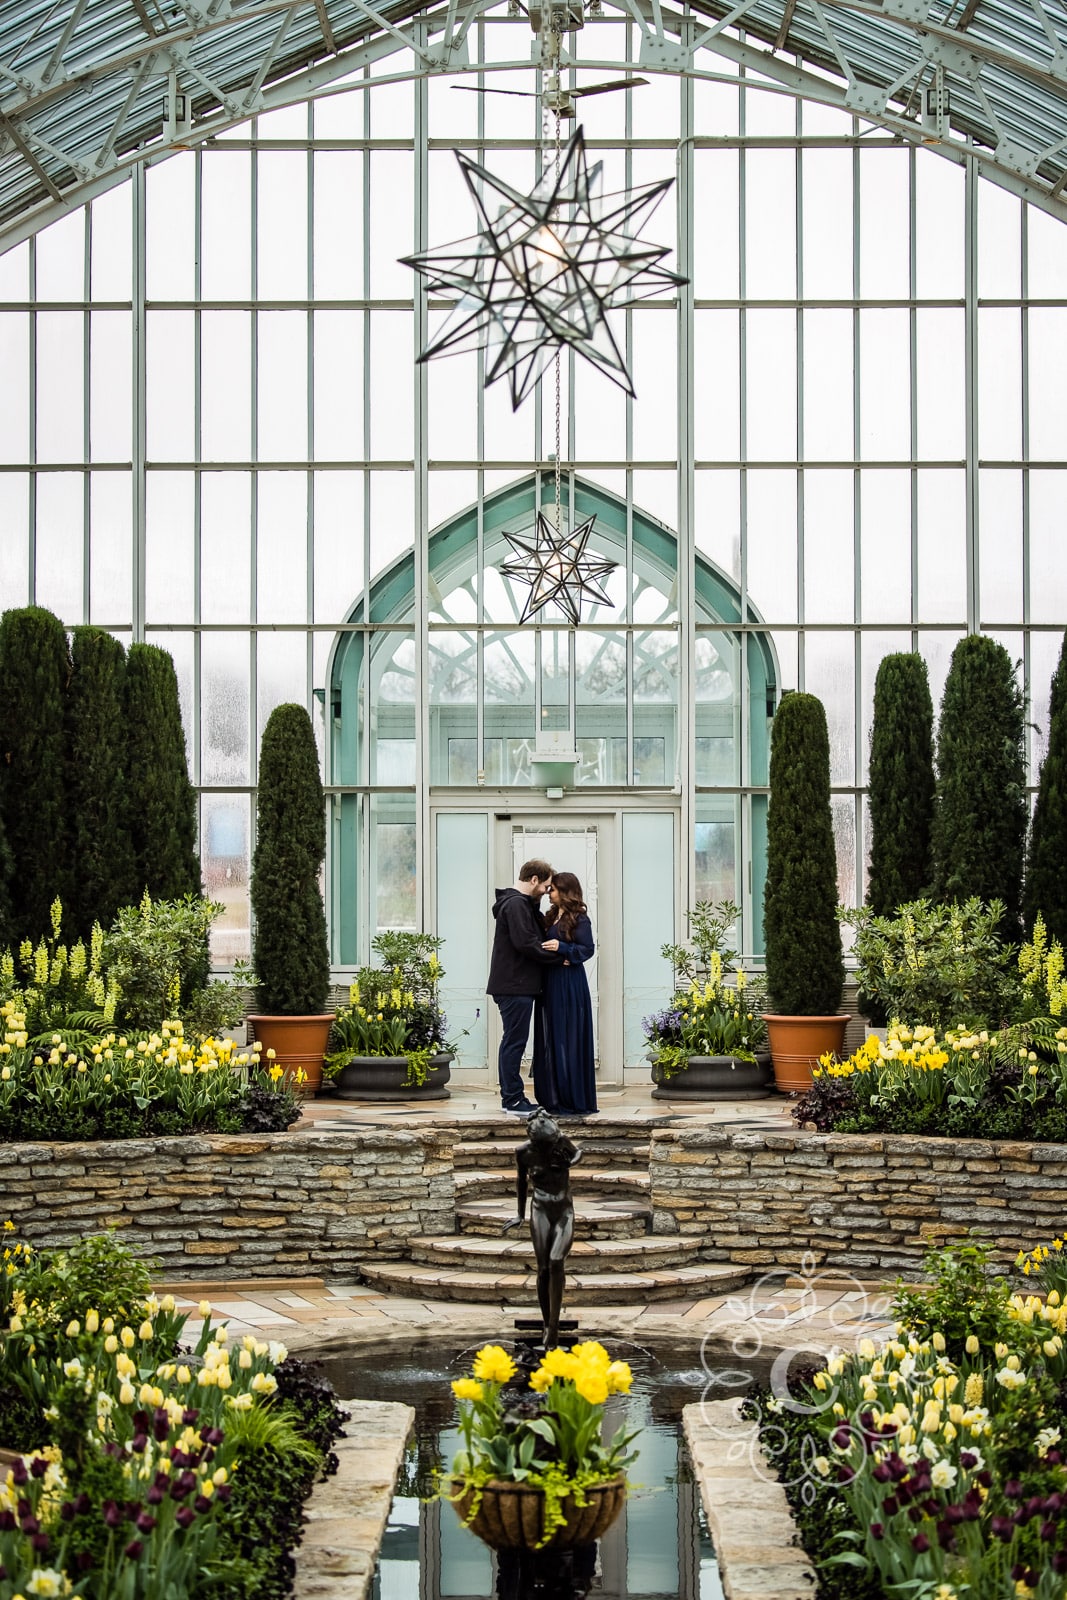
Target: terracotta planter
x,y
796,1045
296,1042
716,1078
382,1078
510,1515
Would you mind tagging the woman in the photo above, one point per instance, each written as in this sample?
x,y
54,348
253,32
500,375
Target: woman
x,y
563,1070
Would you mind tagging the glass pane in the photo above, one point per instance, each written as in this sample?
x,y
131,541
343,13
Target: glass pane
x,y
1000,384
339,386
170,385
999,248
224,854
169,547
225,546
1048,576
884,226
226,386
829,555
282,547
281,214
15,390
830,673
338,259
392,223
338,544
885,386
939,385
942,590
281,674
61,544
885,546
15,543
715,225
939,226
715,845
828,386
843,809
771,366
827,224
110,548
770,223
110,387
171,230
111,244
61,259
60,386
282,385
655,378
1000,545
224,700
226,225
393,855
1048,382
717,421
772,544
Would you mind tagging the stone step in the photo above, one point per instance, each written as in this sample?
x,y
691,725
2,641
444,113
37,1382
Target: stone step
x,y
594,1217
614,1183
519,1290
614,1152
514,1253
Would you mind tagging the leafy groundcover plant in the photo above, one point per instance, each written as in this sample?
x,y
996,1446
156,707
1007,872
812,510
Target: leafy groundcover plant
x,y
549,1436
129,1086
154,1470
933,1466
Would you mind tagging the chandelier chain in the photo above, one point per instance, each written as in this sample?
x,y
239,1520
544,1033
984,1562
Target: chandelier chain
x,y
559,352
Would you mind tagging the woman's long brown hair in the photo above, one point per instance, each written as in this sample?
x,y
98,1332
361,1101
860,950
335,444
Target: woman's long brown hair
x,y
571,905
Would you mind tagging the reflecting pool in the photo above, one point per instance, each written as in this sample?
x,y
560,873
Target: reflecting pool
x,y
657,1550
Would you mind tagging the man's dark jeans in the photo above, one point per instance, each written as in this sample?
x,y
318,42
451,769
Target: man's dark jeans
x,y
515,1013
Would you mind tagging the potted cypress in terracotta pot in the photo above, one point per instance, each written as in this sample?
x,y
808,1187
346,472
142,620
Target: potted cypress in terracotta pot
x,y
805,965
290,949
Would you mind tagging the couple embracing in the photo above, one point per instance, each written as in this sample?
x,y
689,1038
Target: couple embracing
x,y
538,970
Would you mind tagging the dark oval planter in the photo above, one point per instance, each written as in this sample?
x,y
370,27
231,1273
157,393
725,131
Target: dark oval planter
x,y
716,1078
382,1078
510,1516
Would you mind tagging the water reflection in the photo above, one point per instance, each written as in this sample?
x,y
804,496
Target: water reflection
x,y
657,1550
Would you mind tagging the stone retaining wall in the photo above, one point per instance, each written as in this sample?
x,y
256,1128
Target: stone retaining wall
x,y
859,1202
272,1205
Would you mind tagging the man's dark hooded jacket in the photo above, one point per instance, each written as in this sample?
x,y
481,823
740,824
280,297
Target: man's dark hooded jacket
x,y
517,959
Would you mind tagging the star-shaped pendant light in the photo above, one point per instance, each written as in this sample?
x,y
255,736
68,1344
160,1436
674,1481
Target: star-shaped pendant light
x,y
557,568
545,269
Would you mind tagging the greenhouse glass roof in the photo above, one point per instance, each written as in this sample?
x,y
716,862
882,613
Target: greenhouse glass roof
x,y
90,87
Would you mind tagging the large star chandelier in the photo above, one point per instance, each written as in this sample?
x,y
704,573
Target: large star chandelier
x,y
558,568
543,272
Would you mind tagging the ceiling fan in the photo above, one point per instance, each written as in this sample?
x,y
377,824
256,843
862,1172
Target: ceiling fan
x,y
554,97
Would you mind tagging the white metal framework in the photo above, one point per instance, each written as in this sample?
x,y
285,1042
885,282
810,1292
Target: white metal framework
x,y
89,88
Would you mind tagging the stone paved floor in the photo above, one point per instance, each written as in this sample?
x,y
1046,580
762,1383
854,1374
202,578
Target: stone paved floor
x,y
634,1103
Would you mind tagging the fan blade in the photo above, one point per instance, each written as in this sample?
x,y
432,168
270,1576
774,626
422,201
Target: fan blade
x,y
471,88
607,88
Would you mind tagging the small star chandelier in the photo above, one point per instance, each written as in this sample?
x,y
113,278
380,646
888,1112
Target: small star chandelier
x,y
558,568
544,272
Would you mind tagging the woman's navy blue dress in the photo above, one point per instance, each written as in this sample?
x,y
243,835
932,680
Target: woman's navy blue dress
x,y
564,1073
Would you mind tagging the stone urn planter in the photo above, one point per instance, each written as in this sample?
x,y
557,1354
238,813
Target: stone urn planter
x,y
384,1078
510,1516
296,1042
796,1045
716,1078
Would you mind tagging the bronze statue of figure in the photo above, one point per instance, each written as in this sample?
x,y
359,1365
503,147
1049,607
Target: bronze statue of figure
x,y
547,1157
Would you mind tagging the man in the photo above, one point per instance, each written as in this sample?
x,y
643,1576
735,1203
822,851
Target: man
x,y
515,975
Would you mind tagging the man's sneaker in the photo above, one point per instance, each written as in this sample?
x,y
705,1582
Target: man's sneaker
x,y
524,1108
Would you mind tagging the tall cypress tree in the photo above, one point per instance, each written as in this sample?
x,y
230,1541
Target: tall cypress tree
x,y
901,784
97,797
980,824
291,951
805,965
34,671
162,801
1046,879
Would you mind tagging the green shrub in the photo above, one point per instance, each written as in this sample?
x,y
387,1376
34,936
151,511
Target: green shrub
x,y
162,801
805,966
901,784
935,964
980,824
154,952
291,949
34,672
1046,880
97,792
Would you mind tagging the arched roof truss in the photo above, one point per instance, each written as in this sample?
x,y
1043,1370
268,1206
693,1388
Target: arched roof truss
x,y
89,88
